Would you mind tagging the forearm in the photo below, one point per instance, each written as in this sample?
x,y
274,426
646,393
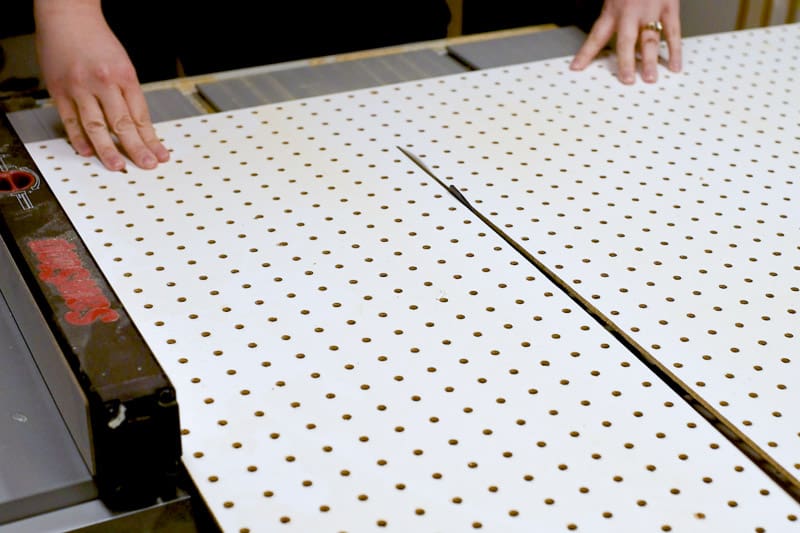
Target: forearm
x,y
46,12
64,21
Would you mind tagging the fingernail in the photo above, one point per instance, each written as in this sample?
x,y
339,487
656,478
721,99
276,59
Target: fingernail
x,y
84,150
149,161
116,164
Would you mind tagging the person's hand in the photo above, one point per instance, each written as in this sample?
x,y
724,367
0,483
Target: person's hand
x,y
94,85
627,19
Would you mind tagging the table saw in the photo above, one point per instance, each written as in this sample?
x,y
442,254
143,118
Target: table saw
x,y
451,288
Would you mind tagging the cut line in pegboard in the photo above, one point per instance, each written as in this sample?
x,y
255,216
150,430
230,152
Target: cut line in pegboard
x,y
354,351
584,181
740,439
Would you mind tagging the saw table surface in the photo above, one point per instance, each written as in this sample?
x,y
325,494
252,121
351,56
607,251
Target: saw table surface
x,y
355,349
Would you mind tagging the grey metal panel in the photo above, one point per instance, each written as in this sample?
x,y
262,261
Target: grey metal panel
x,y
517,49
433,64
173,516
695,19
239,93
385,70
303,82
43,123
40,466
39,124
169,104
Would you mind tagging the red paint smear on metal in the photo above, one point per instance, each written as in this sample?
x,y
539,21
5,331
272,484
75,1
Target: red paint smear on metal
x,y
60,266
16,181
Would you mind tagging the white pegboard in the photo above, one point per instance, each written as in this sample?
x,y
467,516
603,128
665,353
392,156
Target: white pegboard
x,y
354,351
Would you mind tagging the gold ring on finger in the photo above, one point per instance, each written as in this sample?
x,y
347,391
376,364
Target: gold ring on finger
x,y
654,26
